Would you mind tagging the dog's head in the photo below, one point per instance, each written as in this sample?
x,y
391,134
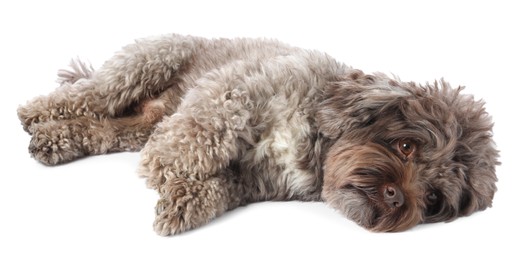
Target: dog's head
x,y
405,154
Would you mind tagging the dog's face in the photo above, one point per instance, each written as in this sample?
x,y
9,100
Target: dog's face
x,y
405,154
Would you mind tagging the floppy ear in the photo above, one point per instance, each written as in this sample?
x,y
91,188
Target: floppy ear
x,y
482,182
354,101
477,150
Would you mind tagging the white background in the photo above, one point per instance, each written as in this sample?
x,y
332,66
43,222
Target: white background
x,y
97,208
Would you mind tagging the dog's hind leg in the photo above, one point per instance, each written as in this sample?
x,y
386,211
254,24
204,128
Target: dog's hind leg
x,y
138,72
71,99
60,141
143,70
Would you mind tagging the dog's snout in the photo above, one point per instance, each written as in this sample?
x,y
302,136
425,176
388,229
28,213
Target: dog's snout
x,y
393,196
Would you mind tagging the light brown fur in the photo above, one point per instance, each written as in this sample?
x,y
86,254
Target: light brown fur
x,y
225,122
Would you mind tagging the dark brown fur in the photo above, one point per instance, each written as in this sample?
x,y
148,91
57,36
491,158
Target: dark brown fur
x,y
455,155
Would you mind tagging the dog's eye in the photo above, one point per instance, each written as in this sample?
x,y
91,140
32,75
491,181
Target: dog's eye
x,y
406,147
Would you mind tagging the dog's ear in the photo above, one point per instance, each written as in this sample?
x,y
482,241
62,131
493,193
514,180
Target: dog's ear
x,y
354,101
482,180
477,151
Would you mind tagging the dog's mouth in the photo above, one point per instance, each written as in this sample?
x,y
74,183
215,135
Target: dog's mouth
x,y
372,214
355,204
378,209
367,208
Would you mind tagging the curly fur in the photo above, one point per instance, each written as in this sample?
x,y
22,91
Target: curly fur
x,y
225,122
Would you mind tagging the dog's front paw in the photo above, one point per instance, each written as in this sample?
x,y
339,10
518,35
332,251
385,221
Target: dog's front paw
x,y
172,209
187,204
53,144
169,218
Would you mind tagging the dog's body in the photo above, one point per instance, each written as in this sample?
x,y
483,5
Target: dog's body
x,y
227,122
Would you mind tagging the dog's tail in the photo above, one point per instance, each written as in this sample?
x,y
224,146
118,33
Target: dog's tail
x,y
78,70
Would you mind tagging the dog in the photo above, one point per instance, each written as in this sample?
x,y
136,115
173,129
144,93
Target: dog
x,y
226,122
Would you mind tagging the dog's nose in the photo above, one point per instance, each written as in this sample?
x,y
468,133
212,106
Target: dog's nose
x,y
393,196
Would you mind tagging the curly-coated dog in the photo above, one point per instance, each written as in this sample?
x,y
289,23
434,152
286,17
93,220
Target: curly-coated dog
x,y
225,122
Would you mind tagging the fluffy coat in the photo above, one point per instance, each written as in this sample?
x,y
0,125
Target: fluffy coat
x,y
225,122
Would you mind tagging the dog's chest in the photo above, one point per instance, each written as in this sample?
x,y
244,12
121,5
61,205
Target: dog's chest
x,y
274,159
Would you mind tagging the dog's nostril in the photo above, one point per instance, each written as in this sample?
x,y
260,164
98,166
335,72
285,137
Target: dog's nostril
x,y
393,196
390,191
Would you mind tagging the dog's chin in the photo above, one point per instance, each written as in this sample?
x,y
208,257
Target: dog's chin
x,y
354,205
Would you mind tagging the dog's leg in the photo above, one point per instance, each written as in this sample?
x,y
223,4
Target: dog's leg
x,y
144,69
71,99
140,71
187,154
203,136
61,141
187,203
